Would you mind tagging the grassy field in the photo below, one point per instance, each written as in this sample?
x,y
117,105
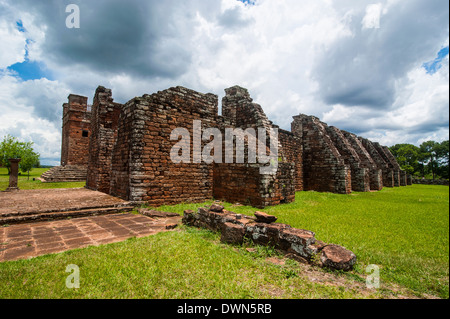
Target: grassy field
x,y
404,231
28,183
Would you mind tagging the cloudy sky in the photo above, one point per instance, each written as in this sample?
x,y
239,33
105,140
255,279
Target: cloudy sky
x,y
377,68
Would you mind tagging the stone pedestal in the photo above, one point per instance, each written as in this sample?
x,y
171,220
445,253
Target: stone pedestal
x,y
14,176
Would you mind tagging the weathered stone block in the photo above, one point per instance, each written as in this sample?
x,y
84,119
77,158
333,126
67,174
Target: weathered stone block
x,y
297,240
188,218
156,214
337,257
216,208
232,233
262,217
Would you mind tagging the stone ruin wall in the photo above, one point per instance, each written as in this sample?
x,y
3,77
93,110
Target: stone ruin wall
x,y
427,181
360,178
141,168
104,124
390,160
243,182
129,152
298,244
75,141
375,174
387,171
293,151
76,120
324,168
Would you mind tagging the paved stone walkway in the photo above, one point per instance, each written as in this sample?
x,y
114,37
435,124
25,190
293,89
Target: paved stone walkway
x,y
34,239
61,199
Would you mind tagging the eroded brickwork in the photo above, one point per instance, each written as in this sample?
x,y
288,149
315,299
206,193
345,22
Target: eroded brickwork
x,y
75,131
403,178
359,174
130,150
390,160
104,124
239,109
293,150
388,173
324,169
339,161
375,174
142,169
244,183
409,179
239,112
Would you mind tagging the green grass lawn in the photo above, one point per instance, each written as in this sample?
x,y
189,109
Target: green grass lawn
x,y
187,264
404,231
27,183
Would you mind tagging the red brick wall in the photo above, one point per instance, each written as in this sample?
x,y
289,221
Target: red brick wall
x,y
244,183
129,152
238,183
76,119
324,169
359,175
375,174
392,164
387,171
65,135
142,169
292,150
104,124
120,158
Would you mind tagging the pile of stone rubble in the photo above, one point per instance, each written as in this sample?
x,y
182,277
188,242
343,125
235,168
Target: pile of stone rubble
x,y
295,243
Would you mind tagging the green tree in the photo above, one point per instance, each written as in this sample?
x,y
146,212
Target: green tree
x,y
430,158
29,158
442,152
442,158
407,156
434,154
10,147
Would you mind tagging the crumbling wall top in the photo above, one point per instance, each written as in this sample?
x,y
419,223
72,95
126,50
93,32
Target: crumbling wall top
x,y
77,102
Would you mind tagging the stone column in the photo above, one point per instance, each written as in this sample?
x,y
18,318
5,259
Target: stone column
x,y
14,176
409,180
403,178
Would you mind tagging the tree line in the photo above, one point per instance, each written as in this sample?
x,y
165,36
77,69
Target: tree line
x,y
430,160
11,147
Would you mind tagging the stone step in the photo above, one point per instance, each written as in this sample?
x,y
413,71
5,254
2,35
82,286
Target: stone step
x,y
59,176
63,179
30,217
63,175
66,209
68,173
64,172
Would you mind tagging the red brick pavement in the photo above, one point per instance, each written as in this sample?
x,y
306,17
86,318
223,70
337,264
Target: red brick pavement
x,y
35,239
60,199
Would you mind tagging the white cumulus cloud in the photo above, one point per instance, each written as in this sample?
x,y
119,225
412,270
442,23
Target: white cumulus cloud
x,y
357,65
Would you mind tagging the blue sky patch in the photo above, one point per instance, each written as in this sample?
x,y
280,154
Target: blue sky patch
x,y
19,25
436,64
30,70
250,2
